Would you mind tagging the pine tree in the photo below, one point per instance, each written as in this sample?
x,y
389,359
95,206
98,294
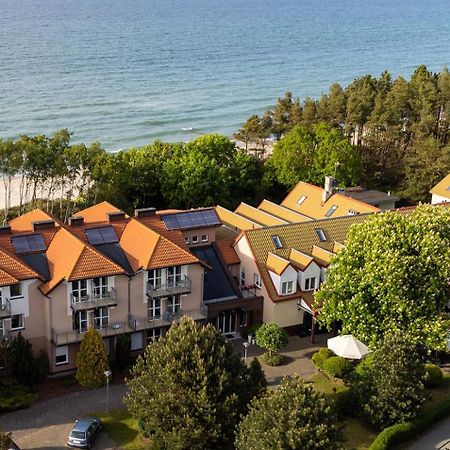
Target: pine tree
x,y
92,360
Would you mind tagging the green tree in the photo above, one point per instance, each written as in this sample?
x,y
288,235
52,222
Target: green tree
x,y
189,389
390,389
271,337
293,417
282,115
92,360
392,275
22,361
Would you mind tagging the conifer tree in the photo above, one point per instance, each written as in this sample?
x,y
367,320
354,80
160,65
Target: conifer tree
x,y
92,360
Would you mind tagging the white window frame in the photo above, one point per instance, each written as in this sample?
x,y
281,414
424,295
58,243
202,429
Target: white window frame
x,y
155,278
287,287
173,275
100,317
205,238
20,289
62,350
301,199
187,241
154,308
22,321
2,328
80,321
79,290
174,304
194,239
257,279
310,283
100,287
153,335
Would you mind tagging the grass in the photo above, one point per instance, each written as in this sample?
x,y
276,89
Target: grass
x,y
327,385
123,429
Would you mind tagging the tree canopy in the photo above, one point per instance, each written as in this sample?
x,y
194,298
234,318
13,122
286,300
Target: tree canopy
x,y
392,275
189,389
293,417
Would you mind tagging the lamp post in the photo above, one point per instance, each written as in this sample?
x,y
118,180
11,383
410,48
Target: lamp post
x,y
108,374
245,344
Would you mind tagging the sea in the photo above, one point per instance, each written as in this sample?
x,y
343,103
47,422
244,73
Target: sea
x,y
127,72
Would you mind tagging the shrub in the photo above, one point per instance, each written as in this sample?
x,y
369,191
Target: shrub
x,y
433,376
42,366
274,359
364,366
337,367
254,328
271,337
15,396
320,357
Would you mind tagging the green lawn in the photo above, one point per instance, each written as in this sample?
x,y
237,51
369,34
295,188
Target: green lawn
x,y
122,429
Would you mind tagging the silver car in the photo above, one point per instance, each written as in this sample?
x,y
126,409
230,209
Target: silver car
x,y
84,432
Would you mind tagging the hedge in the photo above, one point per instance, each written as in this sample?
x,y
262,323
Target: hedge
x,y
320,356
337,367
401,432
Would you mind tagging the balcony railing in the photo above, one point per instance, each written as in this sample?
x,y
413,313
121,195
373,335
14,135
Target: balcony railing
x,y
5,308
133,324
91,301
181,286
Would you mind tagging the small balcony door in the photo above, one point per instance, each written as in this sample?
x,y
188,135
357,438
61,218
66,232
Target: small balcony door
x,y
79,290
173,275
155,278
100,287
80,321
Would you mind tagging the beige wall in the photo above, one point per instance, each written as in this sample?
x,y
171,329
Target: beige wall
x,y
210,232
287,314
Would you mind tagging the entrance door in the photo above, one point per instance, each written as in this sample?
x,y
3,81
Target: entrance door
x,y
227,322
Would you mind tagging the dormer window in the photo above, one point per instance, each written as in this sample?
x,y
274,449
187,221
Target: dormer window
x,y
301,199
277,242
287,287
321,235
330,212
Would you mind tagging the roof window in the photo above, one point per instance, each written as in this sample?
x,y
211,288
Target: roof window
x,y
301,199
352,212
321,235
28,243
277,242
330,212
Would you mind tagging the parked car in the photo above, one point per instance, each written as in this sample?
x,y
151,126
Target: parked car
x,y
84,432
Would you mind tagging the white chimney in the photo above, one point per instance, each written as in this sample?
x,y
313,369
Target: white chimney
x,y
329,188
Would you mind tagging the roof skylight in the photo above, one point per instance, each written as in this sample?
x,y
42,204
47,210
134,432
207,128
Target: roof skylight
x,y
301,199
331,211
321,235
277,242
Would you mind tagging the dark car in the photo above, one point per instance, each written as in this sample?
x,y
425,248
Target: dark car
x,y
84,432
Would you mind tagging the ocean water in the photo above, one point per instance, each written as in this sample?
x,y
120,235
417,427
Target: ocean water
x,y
127,72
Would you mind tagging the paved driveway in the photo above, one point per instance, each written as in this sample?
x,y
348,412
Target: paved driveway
x,y
46,425
438,438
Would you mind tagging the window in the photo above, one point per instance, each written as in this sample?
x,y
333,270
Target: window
x,y
79,290
287,287
153,335
107,346
174,304
154,309
16,290
257,279
301,199
61,355
2,305
331,211
310,283
243,317
277,242
204,238
242,276
17,322
321,235
187,240
173,275
136,341
101,317
80,321
195,239
2,329
352,212
154,278
100,287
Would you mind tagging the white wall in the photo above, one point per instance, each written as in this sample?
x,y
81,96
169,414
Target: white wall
x,y
313,270
439,199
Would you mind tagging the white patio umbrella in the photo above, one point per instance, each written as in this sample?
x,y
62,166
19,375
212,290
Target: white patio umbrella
x,y
348,347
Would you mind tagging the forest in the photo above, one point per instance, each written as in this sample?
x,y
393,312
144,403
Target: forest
x,y
384,133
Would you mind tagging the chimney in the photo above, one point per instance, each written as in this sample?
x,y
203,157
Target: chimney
x,y
115,216
144,212
329,187
5,229
76,220
43,225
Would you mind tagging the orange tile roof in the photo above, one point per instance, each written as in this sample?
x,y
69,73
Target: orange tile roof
x,y
25,221
98,212
6,279
276,264
312,205
300,259
71,259
16,268
442,188
146,249
228,252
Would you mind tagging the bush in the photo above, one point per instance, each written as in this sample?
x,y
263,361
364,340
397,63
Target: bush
x,y
433,376
320,357
274,359
15,396
254,328
271,337
337,367
363,368
42,366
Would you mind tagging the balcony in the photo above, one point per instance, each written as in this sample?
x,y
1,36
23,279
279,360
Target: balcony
x,y
182,286
5,308
93,300
69,337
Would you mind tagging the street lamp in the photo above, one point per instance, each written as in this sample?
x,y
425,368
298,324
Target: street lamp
x,y
245,344
108,374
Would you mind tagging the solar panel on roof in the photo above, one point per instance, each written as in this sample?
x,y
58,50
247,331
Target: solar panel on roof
x,y
28,243
101,235
190,219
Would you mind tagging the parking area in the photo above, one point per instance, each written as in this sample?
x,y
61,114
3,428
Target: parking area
x,y
46,425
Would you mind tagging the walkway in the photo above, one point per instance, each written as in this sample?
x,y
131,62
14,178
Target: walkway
x,y
46,425
438,438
